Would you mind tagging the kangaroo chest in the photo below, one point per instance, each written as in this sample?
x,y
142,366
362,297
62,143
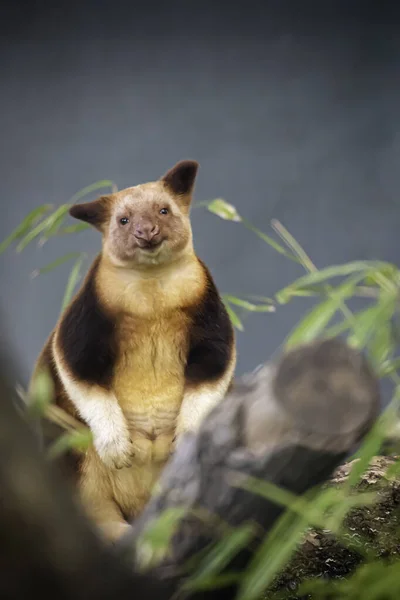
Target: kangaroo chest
x,y
152,340
149,375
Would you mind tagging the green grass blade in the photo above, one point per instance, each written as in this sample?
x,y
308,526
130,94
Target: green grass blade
x,y
153,543
55,263
25,225
367,322
93,187
337,329
41,393
328,273
76,228
293,244
56,226
317,319
79,440
236,322
381,345
272,555
249,306
388,367
270,241
220,556
72,281
43,226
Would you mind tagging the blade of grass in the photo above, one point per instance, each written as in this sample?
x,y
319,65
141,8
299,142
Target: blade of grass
x,y
249,306
93,187
45,224
236,322
317,319
369,320
269,240
325,274
32,218
73,228
293,244
273,554
220,556
78,440
55,263
72,281
153,543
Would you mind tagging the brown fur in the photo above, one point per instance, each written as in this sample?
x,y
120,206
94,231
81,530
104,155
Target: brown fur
x,y
147,317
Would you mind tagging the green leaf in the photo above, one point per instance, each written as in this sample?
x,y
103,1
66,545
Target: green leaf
x,y
79,440
220,556
325,274
55,263
381,345
76,228
224,210
236,322
317,319
249,305
265,299
293,244
24,227
55,227
389,366
272,555
152,545
368,321
270,241
337,329
215,582
390,272
72,281
93,187
41,392
43,226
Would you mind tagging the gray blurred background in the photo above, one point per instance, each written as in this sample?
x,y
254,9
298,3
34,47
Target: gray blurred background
x,y
291,108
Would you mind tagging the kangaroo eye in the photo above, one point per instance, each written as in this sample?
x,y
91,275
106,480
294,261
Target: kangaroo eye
x,y
164,211
124,220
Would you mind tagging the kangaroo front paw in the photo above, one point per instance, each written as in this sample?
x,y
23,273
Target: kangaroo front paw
x,y
116,453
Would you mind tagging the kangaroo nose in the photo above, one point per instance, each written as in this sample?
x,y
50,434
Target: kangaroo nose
x,y
146,231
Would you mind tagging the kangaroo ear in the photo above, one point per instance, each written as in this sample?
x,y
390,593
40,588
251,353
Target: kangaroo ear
x,y
180,179
95,213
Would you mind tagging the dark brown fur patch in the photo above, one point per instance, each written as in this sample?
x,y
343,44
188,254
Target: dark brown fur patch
x,y
180,179
211,337
87,336
95,213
